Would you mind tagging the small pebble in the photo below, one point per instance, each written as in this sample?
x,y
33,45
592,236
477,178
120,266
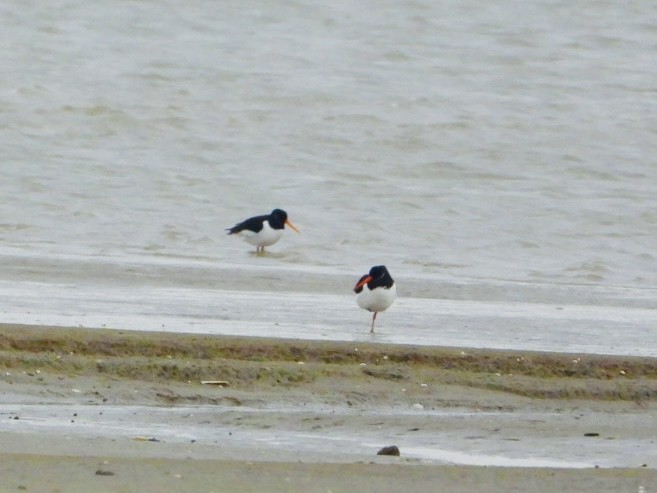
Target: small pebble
x,y
390,450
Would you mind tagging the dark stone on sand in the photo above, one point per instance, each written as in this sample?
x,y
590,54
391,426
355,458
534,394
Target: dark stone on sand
x,y
390,450
592,434
103,472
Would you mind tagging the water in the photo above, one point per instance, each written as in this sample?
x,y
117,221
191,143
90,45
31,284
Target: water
x,y
485,153
339,434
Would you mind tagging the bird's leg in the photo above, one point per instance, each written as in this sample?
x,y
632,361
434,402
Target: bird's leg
x,y
373,319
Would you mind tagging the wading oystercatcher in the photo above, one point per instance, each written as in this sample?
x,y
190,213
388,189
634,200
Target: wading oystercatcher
x,y
375,291
263,231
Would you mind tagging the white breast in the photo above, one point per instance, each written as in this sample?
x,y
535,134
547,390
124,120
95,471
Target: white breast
x,y
265,237
376,300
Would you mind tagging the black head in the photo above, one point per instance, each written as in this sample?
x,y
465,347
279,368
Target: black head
x,y
277,219
379,271
379,277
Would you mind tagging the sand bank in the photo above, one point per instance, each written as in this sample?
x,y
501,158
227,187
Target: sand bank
x,y
126,411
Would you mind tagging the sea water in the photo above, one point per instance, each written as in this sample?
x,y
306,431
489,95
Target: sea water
x,y
499,158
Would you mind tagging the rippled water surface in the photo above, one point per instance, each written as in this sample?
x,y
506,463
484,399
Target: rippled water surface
x,y
482,151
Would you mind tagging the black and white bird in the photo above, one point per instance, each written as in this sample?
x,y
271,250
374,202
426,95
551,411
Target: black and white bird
x,y
375,291
263,231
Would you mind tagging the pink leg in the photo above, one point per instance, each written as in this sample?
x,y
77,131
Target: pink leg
x,y
373,319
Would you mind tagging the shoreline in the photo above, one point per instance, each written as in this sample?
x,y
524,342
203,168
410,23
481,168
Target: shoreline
x,y
247,361
79,400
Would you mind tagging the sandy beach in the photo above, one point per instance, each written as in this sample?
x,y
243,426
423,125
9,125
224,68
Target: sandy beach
x,y
111,410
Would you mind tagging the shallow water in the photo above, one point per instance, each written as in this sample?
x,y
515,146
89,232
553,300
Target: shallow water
x,y
484,153
502,325
500,439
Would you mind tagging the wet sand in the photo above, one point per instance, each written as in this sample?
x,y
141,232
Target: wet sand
x,y
83,474
107,410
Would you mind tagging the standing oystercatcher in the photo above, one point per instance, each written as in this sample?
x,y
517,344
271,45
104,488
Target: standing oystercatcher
x,y
263,231
375,291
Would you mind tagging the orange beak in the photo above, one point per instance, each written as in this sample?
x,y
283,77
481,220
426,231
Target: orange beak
x,y
363,282
292,226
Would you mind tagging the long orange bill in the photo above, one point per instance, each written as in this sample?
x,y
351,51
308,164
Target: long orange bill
x,y
363,282
287,221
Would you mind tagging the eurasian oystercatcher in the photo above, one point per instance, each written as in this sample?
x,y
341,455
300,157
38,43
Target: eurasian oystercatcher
x,y
263,231
375,291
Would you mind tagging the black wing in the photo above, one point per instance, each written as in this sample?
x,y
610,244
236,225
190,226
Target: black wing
x,y
252,224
